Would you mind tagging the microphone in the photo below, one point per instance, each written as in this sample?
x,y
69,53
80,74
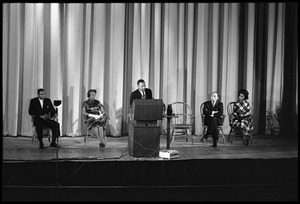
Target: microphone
x,y
169,110
57,103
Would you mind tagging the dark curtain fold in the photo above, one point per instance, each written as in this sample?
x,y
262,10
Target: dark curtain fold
x,y
289,116
184,51
260,68
127,64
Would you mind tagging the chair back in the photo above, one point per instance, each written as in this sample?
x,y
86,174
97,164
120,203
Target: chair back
x,y
32,121
182,114
201,112
230,107
278,116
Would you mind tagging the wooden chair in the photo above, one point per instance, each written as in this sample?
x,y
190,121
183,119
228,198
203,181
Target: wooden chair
x,y
231,117
182,121
276,129
90,132
220,127
46,132
273,121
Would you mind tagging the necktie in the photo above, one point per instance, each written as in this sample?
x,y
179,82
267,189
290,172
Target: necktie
x,y
143,96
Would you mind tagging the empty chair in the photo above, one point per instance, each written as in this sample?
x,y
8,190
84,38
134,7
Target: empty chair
x,y
182,121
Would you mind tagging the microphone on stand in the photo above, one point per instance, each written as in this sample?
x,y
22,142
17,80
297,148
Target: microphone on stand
x,y
169,110
56,104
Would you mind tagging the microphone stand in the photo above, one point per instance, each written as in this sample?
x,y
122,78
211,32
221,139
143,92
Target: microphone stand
x,y
56,104
57,183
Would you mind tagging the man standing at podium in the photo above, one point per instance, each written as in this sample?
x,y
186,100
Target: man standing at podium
x,y
141,93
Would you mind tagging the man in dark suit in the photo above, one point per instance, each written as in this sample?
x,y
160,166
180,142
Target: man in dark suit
x,y
43,112
213,111
141,93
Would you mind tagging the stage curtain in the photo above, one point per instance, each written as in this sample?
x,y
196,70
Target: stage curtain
x,y
183,51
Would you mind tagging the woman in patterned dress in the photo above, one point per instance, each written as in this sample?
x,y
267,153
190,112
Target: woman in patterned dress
x,y
242,121
95,116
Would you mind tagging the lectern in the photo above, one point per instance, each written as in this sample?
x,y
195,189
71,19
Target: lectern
x,y
145,128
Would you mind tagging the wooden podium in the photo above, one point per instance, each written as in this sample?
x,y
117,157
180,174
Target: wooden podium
x,y
144,128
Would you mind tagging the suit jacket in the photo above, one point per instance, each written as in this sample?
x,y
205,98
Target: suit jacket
x,y
36,110
137,95
208,108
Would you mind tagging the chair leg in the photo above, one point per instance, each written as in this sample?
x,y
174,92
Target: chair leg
x,y
172,136
231,136
228,138
223,137
49,136
186,135
104,136
33,139
34,136
204,132
85,138
191,136
251,138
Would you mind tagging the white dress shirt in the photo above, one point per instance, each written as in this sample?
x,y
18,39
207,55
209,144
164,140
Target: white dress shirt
x,y
41,102
143,93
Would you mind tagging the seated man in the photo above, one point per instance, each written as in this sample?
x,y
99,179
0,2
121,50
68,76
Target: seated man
x,y
95,116
213,111
43,112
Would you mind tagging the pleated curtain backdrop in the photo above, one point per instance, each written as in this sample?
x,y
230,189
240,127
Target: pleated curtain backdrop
x,y
183,51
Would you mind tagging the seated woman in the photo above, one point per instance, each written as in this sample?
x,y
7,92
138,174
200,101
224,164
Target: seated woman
x,y
95,116
242,122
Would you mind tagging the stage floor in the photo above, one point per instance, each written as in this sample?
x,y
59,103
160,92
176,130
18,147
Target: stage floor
x,y
16,149
266,170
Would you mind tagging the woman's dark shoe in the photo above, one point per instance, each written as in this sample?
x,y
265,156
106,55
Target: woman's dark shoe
x,y
101,144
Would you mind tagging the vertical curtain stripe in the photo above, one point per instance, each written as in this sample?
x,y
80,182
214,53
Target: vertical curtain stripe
x,y
183,51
